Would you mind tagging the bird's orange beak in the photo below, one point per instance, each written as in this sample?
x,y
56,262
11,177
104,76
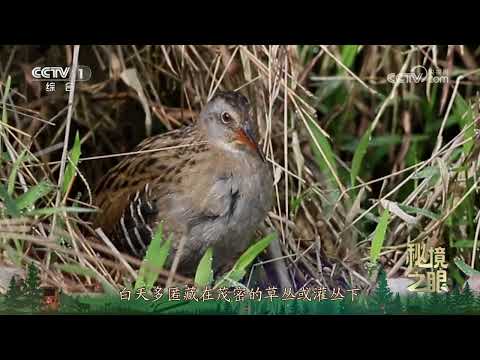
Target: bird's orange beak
x,y
245,136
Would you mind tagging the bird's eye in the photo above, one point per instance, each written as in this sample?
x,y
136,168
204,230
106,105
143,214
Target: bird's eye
x,y
226,117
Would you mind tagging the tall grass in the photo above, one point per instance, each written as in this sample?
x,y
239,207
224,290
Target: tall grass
x,y
344,143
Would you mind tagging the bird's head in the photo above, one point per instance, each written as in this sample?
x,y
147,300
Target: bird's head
x,y
228,122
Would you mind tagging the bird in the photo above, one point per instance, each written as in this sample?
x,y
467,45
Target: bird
x,y
208,183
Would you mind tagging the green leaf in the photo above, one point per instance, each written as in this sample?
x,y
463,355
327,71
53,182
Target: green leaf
x,y
464,114
13,173
204,274
429,171
239,269
10,204
4,98
327,151
377,141
348,56
379,237
33,194
5,156
4,107
51,211
359,155
76,269
70,171
253,251
296,201
467,270
154,260
419,211
464,243
83,271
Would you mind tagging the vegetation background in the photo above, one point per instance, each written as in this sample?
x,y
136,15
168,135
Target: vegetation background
x,y
363,162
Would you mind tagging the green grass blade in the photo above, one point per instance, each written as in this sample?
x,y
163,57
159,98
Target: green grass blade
x,y
419,211
76,269
466,269
204,273
253,251
9,203
348,56
70,171
14,171
61,209
463,113
327,151
239,269
359,155
154,260
463,243
429,171
4,98
379,237
33,194
83,271
4,106
7,89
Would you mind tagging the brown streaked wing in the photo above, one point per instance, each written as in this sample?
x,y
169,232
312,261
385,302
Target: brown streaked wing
x,y
120,184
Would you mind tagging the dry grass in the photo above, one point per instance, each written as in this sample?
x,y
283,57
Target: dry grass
x,y
313,104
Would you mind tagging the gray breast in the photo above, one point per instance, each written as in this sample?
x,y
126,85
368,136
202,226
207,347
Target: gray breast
x,y
242,197
248,208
